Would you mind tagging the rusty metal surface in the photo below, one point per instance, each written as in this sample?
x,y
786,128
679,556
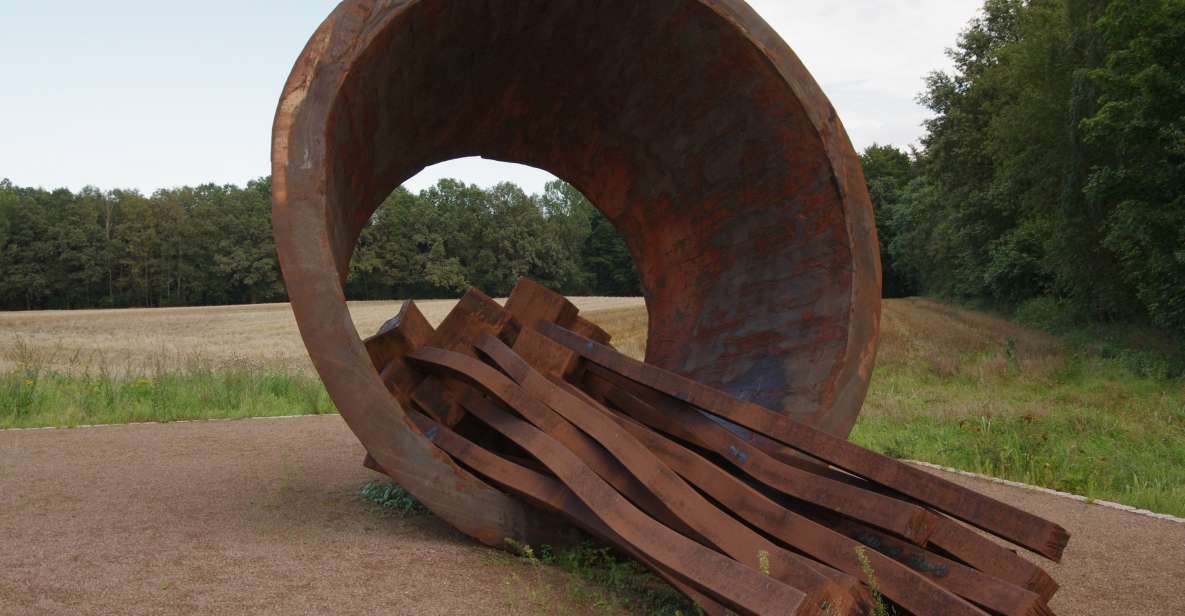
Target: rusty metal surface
x,y
689,123
908,590
909,521
549,493
741,587
714,524
702,138
572,428
1005,521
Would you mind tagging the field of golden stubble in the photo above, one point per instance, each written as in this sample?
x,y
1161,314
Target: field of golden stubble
x,y
157,339
916,333
951,386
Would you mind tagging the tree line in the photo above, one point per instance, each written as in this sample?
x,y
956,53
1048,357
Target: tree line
x,y
213,245
1051,178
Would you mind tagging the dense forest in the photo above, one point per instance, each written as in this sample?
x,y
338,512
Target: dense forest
x,y
1050,180
213,245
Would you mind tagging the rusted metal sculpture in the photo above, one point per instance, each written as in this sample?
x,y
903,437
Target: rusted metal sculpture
x,y
720,462
689,123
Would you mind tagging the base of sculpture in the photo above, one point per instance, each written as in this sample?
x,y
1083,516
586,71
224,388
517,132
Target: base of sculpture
x,y
737,506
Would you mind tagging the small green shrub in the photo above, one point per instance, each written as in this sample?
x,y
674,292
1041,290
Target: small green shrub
x,y
614,582
1048,314
392,497
879,606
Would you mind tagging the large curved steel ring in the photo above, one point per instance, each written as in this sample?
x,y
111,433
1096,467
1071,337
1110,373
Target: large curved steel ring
x,y
689,123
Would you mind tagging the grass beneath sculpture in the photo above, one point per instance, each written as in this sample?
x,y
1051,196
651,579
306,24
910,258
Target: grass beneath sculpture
x,y
1098,413
597,575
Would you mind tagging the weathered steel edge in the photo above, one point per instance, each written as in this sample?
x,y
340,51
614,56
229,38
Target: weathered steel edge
x,y
300,224
307,259
865,306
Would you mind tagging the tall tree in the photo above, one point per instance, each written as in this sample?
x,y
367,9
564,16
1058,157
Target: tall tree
x,y
246,251
1140,128
889,171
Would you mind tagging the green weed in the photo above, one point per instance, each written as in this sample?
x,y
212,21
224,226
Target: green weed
x,y
879,606
32,396
601,577
392,497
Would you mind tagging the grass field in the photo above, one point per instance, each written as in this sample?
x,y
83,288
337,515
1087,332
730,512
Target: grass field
x,y
68,368
138,341
1099,416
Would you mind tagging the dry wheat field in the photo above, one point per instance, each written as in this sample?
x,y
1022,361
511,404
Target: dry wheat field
x,y
936,337
915,332
151,339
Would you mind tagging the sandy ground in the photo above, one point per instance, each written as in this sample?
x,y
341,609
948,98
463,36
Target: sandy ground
x,y
262,516
151,338
1117,563
246,517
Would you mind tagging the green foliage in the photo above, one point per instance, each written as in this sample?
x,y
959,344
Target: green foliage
x,y
603,578
188,246
1107,424
213,245
392,497
889,172
879,606
1140,129
454,236
1047,313
32,397
1054,165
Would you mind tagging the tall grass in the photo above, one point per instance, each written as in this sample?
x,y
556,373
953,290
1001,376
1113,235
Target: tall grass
x,y
598,576
1097,410
33,395
1067,412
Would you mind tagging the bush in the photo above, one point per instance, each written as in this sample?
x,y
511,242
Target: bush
x,y
1048,314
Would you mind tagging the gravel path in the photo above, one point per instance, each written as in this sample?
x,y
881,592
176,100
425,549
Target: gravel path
x,y
1117,563
246,517
262,517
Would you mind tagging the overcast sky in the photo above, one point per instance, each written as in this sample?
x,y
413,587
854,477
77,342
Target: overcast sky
x,y
148,94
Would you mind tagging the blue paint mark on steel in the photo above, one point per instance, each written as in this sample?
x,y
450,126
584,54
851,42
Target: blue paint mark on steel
x,y
740,431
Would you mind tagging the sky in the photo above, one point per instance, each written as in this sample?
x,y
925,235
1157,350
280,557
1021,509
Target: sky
x,y
147,94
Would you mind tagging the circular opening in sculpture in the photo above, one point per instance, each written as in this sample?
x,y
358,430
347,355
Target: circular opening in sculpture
x,y
469,223
694,131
